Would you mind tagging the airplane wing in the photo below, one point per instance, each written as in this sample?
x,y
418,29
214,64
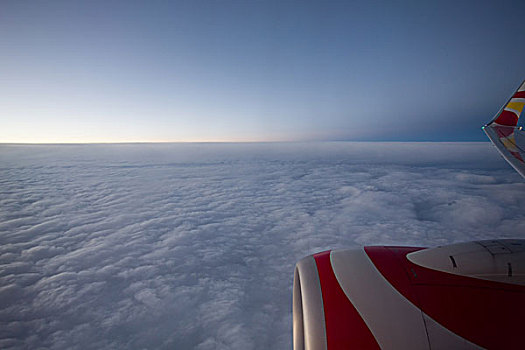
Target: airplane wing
x,y
506,130
462,296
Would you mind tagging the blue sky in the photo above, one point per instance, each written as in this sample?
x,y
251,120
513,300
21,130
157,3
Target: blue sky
x,y
121,71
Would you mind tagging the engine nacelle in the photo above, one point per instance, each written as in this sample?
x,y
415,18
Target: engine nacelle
x,y
467,295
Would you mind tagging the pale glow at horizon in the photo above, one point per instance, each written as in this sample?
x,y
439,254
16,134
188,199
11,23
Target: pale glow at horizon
x,y
57,136
191,127
36,133
73,140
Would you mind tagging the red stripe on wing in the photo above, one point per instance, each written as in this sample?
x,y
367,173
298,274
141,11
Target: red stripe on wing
x,y
503,131
517,156
507,118
519,94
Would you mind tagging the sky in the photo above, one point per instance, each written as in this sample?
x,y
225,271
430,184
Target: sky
x,y
193,246
180,71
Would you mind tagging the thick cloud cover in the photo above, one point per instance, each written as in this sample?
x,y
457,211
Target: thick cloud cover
x,y
193,245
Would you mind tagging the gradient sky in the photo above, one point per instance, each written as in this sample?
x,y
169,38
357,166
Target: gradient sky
x,y
113,71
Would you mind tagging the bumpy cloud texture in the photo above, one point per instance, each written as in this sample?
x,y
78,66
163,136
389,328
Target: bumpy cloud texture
x,y
193,246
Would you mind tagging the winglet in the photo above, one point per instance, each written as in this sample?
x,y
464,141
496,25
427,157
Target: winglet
x,y
506,130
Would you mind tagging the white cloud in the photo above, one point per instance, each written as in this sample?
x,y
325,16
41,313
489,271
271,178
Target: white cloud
x,y
193,246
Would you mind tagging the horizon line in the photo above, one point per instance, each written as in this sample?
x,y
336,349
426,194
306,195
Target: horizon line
x,y
226,142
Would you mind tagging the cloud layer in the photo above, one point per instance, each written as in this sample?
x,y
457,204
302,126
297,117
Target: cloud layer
x,y
192,246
